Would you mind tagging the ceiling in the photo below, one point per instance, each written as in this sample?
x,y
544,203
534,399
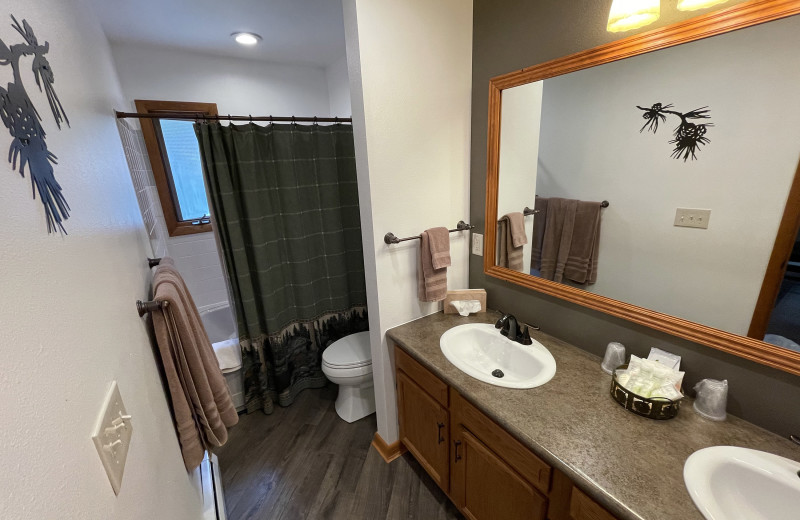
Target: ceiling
x,y
309,32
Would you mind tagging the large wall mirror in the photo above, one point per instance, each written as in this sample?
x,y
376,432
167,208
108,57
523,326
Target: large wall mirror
x,y
656,178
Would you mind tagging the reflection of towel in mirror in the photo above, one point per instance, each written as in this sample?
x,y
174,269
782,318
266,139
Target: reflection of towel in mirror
x,y
201,401
539,221
570,242
557,237
510,253
434,250
581,264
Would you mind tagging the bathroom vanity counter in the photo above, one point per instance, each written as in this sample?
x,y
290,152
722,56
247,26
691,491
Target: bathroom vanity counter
x,y
631,465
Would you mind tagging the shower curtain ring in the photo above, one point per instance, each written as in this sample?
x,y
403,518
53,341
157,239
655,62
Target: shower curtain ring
x,y
293,120
251,118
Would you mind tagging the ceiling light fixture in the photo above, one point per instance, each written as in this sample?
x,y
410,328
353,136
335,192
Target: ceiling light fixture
x,y
246,38
632,14
693,5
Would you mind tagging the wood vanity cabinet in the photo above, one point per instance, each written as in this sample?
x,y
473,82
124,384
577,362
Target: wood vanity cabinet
x,y
486,472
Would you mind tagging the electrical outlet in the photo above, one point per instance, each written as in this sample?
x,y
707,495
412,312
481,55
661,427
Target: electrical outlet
x,y
694,218
477,244
112,436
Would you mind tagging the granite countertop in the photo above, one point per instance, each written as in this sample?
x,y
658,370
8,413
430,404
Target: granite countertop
x,y
631,465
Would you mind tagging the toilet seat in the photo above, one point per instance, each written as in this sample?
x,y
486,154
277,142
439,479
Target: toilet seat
x,y
349,352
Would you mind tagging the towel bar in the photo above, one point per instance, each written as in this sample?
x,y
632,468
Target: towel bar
x,y
390,239
152,262
528,211
146,307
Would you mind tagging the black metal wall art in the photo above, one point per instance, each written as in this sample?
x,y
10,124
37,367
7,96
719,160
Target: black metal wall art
x,y
688,137
23,122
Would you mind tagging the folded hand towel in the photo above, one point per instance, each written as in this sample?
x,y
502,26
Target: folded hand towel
x,y
201,401
517,221
431,282
581,265
557,237
510,255
539,222
439,238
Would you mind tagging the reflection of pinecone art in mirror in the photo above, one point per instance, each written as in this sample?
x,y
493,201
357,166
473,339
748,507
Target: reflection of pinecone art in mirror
x,y
23,122
688,136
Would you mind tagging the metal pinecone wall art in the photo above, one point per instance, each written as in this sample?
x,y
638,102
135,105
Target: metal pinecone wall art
x,y
23,122
688,137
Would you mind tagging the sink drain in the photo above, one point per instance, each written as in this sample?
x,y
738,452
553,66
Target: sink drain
x,y
498,373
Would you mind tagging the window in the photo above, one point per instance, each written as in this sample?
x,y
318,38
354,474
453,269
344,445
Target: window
x,y
175,159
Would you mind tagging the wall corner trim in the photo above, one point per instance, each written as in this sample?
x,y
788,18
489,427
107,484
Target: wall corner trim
x,y
389,452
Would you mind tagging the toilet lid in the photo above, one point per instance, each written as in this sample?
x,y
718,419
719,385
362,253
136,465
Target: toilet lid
x,y
350,351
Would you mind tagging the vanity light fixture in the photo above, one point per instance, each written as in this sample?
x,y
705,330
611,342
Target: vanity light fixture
x,y
632,14
246,38
693,5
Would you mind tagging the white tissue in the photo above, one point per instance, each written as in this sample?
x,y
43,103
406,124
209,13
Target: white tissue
x,y
466,307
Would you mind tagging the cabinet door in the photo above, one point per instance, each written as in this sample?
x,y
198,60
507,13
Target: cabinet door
x,y
424,429
486,488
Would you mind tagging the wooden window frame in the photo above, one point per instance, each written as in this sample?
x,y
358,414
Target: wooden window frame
x,y
160,165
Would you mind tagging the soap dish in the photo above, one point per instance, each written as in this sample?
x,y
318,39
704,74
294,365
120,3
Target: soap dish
x,y
658,408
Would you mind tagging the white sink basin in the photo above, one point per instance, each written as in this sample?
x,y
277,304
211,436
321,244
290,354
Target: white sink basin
x,y
729,483
479,349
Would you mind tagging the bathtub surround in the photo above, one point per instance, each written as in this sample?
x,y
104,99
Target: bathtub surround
x,y
285,201
69,326
530,35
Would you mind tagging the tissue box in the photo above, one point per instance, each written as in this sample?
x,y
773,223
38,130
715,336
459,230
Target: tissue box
x,y
464,294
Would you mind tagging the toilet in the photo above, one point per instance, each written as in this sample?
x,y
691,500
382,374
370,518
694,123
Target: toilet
x,y
348,363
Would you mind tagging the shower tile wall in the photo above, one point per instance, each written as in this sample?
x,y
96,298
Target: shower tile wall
x,y
196,256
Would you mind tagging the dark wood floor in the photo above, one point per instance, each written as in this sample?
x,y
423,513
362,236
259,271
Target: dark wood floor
x,y
305,462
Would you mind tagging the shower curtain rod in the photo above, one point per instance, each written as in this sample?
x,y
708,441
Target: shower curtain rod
x,y
189,116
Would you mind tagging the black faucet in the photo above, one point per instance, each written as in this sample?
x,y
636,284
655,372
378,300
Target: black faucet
x,y
510,328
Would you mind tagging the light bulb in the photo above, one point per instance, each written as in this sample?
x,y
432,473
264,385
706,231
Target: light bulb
x,y
245,38
632,14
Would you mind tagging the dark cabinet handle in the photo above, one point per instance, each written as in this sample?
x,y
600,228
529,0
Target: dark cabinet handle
x,y
457,444
440,425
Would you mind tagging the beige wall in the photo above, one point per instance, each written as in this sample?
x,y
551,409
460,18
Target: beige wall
x,y
67,318
409,68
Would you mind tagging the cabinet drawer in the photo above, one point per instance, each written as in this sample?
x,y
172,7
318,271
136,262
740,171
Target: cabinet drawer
x,y
516,454
421,376
581,507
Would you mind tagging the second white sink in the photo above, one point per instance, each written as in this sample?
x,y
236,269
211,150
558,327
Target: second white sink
x,y
731,483
480,351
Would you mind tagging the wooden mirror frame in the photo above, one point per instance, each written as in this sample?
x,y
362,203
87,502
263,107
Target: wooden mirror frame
x,y
736,17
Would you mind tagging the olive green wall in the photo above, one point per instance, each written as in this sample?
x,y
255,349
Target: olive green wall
x,y
512,34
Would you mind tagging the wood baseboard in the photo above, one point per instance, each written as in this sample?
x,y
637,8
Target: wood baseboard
x,y
389,452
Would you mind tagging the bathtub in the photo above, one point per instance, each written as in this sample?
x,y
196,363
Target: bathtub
x,y
220,326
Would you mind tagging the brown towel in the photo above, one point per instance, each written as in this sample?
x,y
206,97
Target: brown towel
x,y
517,221
510,255
581,266
201,401
539,222
439,239
557,237
431,283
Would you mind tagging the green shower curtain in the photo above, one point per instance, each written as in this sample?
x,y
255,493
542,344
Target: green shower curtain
x,y
285,205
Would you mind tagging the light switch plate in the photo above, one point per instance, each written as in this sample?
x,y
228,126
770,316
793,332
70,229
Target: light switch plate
x,y
695,218
112,436
477,244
